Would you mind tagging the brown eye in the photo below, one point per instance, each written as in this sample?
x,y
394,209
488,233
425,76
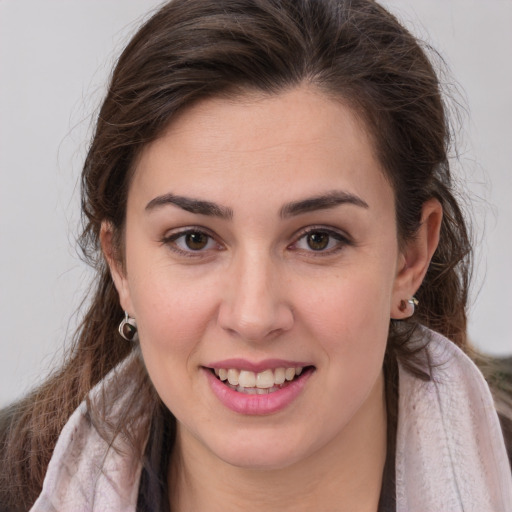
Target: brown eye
x,y
196,240
318,240
191,241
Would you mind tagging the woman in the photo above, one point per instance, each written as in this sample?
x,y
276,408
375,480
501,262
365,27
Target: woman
x,y
268,204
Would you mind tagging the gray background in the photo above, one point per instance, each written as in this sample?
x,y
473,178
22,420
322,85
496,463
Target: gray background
x,y
54,60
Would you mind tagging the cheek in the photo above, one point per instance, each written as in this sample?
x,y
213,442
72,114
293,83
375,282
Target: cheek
x,y
171,329
168,316
169,303
173,311
353,303
349,318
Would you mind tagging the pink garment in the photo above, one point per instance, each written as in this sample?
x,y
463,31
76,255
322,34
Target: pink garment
x,y
451,454
450,451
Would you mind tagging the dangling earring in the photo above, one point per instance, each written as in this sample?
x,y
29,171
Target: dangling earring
x,y
128,328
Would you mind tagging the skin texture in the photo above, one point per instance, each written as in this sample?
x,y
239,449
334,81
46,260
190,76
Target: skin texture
x,y
257,290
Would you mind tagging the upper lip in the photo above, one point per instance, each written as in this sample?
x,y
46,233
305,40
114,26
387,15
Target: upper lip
x,y
256,367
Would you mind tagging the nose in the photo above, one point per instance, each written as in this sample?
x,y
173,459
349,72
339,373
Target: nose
x,y
254,307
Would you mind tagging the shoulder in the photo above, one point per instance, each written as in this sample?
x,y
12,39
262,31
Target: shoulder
x,y
450,448
498,373
448,360
11,497
93,463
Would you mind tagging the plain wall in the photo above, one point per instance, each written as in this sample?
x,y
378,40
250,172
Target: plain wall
x,y
55,57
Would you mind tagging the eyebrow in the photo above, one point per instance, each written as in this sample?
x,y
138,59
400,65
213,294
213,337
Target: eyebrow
x,y
310,204
321,202
191,205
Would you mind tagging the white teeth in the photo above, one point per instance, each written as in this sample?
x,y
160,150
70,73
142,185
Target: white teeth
x,y
279,375
254,391
247,379
261,383
265,380
233,376
289,373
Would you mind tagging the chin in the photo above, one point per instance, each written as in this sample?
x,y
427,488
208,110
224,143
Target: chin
x,y
258,454
260,461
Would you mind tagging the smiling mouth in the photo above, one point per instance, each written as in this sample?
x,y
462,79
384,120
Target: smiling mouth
x,y
261,383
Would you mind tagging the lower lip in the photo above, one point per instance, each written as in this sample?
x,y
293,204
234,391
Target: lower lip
x,y
258,404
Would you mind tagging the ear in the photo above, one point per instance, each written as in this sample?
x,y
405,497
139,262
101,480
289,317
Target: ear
x,y
414,259
115,264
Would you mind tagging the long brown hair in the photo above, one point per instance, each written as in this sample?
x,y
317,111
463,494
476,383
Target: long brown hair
x,y
191,49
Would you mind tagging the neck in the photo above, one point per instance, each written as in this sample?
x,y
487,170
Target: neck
x,y
344,475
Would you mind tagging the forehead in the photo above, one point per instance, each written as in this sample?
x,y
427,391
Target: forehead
x,y
298,139
299,114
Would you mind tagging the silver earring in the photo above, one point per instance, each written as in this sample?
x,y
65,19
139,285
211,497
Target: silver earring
x,y
128,328
413,303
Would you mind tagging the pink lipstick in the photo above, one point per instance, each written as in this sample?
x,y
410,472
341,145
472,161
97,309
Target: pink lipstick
x,y
275,396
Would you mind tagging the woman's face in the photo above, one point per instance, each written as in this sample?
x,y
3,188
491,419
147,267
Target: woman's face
x,y
260,238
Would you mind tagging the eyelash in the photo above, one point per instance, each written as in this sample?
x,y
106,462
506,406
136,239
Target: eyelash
x,y
341,241
170,241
